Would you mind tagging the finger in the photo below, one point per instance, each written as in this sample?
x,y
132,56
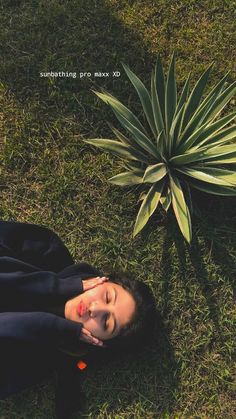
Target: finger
x,y
99,280
86,332
89,283
98,343
102,279
94,282
90,338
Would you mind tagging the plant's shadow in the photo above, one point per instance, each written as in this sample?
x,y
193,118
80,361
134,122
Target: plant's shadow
x,y
213,244
216,224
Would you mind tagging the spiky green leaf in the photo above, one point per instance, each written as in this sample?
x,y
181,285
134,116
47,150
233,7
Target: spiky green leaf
x,y
160,85
117,148
127,178
142,196
170,95
156,108
161,146
222,137
212,188
141,139
190,157
166,199
181,105
195,96
211,175
207,153
154,173
180,208
120,135
183,96
175,127
200,116
148,206
221,155
188,198
134,165
124,139
121,109
221,101
215,91
206,132
195,126
144,97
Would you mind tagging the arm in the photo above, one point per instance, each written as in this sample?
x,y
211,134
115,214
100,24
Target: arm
x,y
24,287
33,244
40,328
28,348
44,329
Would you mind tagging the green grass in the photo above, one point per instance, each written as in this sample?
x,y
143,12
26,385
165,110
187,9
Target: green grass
x,y
49,176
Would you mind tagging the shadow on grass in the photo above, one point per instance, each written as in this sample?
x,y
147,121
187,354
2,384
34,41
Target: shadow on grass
x,y
162,354
149,376
73,36
212,250
217,225
202,276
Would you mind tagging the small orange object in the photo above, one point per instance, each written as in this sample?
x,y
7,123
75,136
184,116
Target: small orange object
x,y
81,365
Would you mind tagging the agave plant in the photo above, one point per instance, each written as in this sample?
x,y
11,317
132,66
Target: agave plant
x,y
184,144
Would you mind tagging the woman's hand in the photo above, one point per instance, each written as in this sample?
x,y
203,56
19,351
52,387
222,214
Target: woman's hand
x,y
87,337
93,282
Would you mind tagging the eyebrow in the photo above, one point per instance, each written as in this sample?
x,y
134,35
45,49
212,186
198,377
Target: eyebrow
x,y
114,326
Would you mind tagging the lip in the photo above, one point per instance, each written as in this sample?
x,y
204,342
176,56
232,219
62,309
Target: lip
x,y
81,309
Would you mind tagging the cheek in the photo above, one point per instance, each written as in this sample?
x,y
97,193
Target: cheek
x,y
77,299
96,329
96,294
93,326
93,294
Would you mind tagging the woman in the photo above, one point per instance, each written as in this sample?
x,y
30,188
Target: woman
x,y
50,306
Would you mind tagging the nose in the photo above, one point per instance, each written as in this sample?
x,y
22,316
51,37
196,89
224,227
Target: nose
x,y
97,309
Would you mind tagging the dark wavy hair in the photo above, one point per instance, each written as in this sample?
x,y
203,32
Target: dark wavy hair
x,y
140,328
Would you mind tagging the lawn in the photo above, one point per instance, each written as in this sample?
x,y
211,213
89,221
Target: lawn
x,y
49,176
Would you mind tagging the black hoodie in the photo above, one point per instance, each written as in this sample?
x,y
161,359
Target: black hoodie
x,y
37,277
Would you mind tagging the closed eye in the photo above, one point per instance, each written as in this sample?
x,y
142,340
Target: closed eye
x,y
106,317
107,297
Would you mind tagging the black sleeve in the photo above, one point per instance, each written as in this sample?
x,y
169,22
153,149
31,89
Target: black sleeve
x,y
33,244
29,344
39,328
24,288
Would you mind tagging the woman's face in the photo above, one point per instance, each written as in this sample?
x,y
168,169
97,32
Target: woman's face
x,y
103,310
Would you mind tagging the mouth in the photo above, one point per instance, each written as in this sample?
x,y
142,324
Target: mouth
x,y
81,309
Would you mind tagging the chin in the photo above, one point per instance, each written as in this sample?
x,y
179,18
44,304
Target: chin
x,y
69,311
